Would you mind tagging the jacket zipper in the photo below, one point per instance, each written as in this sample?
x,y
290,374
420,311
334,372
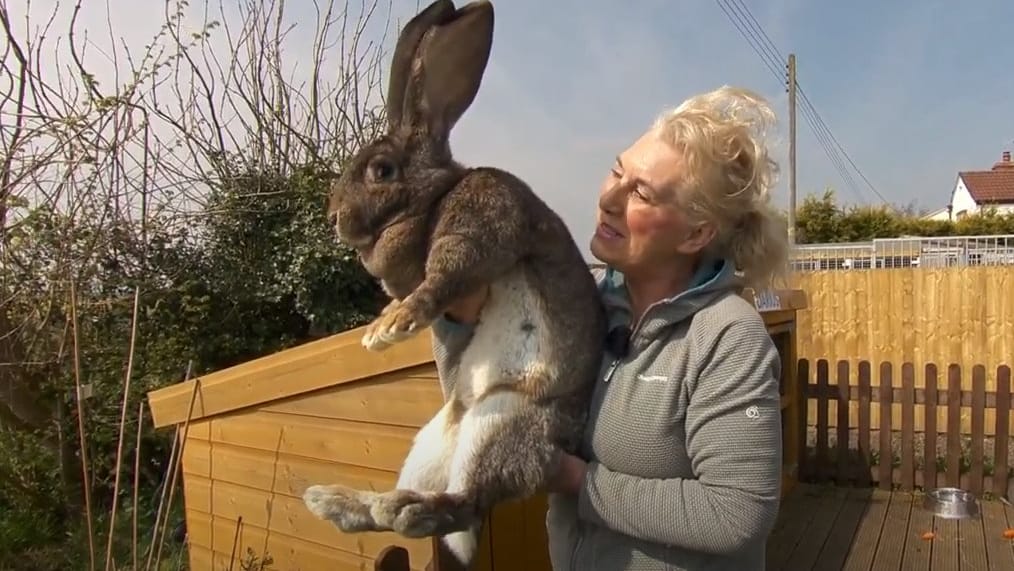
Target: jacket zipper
x,y
609,375
633,335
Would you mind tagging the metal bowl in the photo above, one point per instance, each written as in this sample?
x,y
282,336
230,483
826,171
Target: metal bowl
x,y
951,503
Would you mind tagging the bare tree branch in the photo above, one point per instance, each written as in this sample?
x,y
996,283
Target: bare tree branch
x,y
94,162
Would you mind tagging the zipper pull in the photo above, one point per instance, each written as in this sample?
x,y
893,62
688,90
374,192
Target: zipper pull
x,y
612,368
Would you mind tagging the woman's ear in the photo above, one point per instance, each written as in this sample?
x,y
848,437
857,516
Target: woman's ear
x,y
698,238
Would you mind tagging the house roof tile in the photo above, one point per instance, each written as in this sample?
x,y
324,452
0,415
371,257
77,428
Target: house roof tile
x,y
992,186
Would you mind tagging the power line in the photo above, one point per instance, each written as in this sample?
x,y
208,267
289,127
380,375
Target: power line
x,y
806,100
823,135
772,49
771,58
753,32
749,38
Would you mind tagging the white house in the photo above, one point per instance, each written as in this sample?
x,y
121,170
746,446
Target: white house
x,y
978,190
942,214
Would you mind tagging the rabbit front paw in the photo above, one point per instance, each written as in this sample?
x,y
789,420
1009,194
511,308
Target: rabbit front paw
x,y
399,321
348,509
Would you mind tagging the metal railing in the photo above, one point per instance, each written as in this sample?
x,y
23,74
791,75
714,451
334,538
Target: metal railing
x,y
908,252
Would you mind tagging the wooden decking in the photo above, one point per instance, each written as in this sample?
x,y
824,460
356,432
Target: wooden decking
x,y
827,528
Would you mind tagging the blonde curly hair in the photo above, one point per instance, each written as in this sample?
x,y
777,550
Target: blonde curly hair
x,y
728,178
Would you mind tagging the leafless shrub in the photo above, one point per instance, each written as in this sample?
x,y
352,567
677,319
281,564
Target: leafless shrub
x,y
105,146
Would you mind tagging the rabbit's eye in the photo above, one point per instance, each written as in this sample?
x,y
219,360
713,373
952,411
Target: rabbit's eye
x,y
382,170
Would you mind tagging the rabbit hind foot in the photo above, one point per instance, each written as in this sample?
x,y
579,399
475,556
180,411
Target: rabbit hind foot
x,y
426,514
410,513
348,509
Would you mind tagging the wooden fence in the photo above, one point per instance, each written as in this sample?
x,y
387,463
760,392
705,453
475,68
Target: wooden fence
x,y
962,315
941,454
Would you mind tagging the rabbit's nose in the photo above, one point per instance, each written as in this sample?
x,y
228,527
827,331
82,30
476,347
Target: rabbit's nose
x,y
332,218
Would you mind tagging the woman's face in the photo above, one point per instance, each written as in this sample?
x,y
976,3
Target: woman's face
x,y
641,226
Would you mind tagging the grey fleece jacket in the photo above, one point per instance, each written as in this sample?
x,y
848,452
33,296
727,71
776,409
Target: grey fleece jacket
x,y
683,440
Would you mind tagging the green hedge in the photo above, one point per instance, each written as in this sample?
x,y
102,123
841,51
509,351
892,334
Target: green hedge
x,y
820,219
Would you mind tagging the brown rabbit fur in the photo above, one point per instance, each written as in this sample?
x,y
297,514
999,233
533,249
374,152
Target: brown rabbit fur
x,y
433,231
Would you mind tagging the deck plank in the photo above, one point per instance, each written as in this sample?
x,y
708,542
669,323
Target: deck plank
x,y
838,546
972,543
1008,510
918,551
867,529
793,521
895,531
825,512
998,549
867,536
945,545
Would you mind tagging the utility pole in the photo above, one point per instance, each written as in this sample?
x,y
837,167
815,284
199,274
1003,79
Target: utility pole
x,y
792,148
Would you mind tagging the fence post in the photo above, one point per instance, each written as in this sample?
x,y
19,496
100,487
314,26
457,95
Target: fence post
x,y
843,422
907,426
1000,469
978,428
865,402
929,475
822,422
954,425
886,464
802,418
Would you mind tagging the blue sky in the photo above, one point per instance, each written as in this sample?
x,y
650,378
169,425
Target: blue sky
x,y
913,91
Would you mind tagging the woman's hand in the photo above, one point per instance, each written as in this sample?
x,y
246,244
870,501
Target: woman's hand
x,y
569,474
466,310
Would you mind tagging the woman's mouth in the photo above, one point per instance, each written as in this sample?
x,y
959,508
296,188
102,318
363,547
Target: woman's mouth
x,y
608,232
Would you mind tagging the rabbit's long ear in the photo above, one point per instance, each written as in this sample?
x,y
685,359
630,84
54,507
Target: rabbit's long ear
x,y
405,53
447,70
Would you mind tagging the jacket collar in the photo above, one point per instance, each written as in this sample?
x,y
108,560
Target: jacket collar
x,y
712,279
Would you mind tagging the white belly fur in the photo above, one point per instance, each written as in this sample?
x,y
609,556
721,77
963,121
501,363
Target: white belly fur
x,y
501,351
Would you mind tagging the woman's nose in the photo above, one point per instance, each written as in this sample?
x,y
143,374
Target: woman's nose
x,y
611,199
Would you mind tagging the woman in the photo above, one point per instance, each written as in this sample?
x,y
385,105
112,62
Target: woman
x,y
680,464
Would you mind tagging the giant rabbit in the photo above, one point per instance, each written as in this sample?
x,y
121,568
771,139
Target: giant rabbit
x,y
433,231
